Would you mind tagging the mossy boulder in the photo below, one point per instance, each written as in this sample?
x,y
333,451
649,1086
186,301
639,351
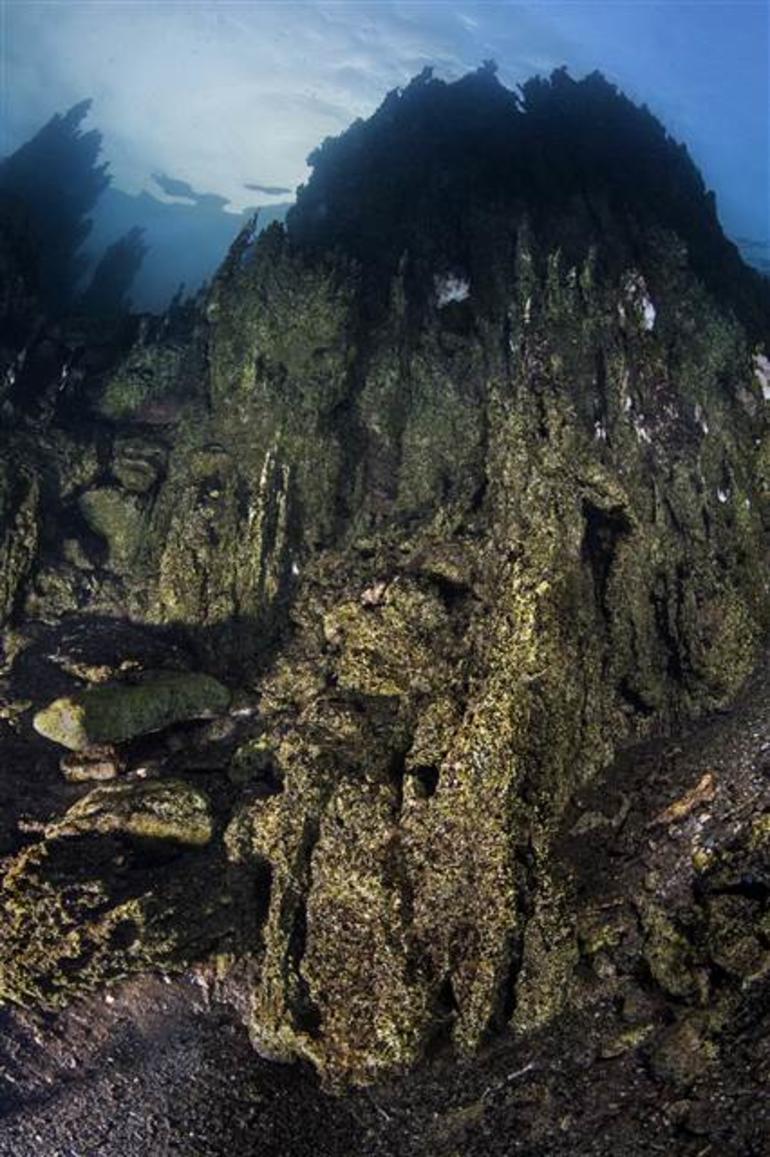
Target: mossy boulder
x,y
118,712
138,463
162,809
117,519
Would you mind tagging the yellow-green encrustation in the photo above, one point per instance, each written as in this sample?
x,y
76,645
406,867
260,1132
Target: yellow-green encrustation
x,y
469,496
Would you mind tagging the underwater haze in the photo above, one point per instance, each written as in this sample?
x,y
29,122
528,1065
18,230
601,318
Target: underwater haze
x,y
208,111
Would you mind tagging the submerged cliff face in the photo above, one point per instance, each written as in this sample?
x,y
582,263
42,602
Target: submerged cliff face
x,y
466,475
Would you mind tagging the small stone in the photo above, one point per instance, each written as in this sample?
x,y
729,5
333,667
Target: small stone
x,y
95,763
138,464
253,758
74,553
11,711
637,1008
677,1111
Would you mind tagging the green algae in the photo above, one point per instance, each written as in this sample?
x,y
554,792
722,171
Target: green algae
x,y
464,565
167,809
113,714
82,911
117,519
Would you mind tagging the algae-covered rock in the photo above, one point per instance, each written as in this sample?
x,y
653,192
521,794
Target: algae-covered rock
x,y
463,553
113,714
117,518
684,1052
138,463
669,955
142,387
95,763
81,910
162,809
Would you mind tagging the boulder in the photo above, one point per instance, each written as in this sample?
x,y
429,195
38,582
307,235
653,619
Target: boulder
x,y
117,518
156,810
137,463
118,712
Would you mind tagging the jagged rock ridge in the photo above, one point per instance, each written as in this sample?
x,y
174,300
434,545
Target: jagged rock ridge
x,y
468,504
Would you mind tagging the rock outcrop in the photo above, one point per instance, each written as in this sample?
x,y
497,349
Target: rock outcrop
x,y
464,546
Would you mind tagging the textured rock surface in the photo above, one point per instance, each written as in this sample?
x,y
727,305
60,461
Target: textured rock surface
x,y
628,1070
117,712
165,809
460,551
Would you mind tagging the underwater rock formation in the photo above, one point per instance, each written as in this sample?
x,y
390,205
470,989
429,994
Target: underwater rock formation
x,y
459,548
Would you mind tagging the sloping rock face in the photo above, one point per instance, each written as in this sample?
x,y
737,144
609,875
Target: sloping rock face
x,y
471,502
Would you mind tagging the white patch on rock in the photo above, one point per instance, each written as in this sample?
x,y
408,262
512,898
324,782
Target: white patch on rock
x,y
762,374
642,431
528,311
451,287
700,417
294,569
722,495
373,595
636,294
600,431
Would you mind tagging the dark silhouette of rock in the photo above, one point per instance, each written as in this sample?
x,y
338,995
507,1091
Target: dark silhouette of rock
x,y
441,166
186,239
108,291
54,181
176,188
